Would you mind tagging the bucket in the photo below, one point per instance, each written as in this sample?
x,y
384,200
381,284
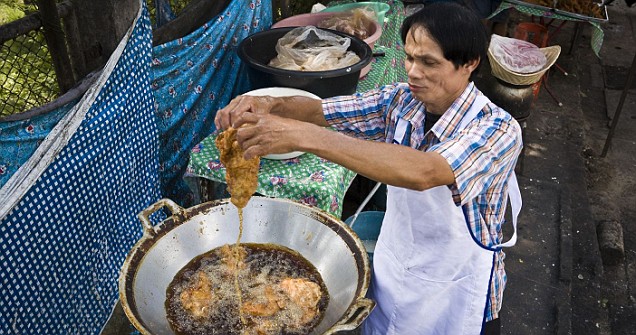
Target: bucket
x,y
258,49
313,19
367,226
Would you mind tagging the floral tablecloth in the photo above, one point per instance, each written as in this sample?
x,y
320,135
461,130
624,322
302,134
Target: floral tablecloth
x,y
308,178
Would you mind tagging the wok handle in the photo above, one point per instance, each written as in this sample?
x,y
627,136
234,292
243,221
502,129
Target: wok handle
x,y
144,215
354,317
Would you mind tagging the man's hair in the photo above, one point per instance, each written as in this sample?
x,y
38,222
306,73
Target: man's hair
x,y
456,29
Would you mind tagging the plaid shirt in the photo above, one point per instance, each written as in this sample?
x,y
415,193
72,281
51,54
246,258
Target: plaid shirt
x,y
482,156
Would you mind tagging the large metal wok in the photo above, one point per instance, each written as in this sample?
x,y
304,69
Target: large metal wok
x,y
329,244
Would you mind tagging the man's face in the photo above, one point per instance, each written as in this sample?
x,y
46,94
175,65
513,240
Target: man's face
x,y
432,78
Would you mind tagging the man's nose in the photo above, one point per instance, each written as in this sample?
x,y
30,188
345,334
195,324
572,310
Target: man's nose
x,y
412,70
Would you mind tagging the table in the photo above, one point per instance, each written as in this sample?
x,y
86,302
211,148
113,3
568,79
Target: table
x,y
308,178
596,40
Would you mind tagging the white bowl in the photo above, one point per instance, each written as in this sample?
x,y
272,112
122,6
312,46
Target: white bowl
x,y
282,92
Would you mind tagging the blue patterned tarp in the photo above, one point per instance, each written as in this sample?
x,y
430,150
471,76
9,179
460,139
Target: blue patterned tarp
x,y
194,76
19,139
63,243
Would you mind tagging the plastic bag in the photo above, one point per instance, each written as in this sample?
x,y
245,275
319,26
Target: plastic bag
x,y
312,49
357,22
517,55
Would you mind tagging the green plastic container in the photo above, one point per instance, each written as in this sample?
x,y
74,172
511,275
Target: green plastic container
x,y
380,8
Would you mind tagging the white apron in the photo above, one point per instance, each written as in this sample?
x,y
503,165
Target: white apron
x,y
431,275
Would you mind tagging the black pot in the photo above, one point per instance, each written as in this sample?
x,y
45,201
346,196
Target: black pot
x,y
257,50
514,99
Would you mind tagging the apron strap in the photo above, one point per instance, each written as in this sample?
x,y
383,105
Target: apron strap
x,y
400,131
480,102
514,194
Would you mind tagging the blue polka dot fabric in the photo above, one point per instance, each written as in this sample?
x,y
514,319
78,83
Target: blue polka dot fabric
x,y
62,245
193,77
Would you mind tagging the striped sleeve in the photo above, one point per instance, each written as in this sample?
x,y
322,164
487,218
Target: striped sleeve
x,y
362,115
482,155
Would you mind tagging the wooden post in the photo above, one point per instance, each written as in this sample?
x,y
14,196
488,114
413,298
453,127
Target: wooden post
x,y
102,24
72,29
57,46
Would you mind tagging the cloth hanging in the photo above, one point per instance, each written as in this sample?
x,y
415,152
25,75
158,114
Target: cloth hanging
x,y
68,215
193,77
163,13
19,139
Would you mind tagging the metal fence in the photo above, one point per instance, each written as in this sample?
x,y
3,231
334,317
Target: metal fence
x,y
27,76
27,73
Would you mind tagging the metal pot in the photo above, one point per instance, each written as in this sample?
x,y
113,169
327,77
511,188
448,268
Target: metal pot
x,y
514,99
328,243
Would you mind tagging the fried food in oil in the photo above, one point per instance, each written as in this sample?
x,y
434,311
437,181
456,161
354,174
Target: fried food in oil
x,y
303,293
241,175
588,8
267,304
293,299
198,298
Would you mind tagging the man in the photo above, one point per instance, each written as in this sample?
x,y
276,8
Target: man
x,y
446,153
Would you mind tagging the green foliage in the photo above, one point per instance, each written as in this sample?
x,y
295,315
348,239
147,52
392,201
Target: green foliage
x,y
10,10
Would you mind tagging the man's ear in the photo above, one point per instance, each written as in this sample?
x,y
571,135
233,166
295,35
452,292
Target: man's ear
x,y
472,64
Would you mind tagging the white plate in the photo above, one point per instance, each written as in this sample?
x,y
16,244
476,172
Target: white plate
x,y
282,92
288,155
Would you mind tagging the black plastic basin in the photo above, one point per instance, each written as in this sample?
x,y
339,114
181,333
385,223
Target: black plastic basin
x,y
257,50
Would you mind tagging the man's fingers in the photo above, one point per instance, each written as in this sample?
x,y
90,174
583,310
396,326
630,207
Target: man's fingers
x,y
231,115
224,116
220,120
245,133
252,152
245,118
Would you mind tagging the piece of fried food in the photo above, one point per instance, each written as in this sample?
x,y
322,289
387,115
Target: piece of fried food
x,y
198,297
305,295
233,257
265,304
294,300
241,175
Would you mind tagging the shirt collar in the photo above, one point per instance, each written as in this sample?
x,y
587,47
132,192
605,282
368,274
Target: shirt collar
x,y
414,111
453,116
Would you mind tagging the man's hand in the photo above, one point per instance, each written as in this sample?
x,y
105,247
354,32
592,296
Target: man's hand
x,y
229,115
264,134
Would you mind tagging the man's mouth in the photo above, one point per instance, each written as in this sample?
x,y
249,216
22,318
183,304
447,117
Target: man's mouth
x,y
415,88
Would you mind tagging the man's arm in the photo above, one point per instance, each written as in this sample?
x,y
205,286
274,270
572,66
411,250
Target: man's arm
x,y
294,107
392,164
387,163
